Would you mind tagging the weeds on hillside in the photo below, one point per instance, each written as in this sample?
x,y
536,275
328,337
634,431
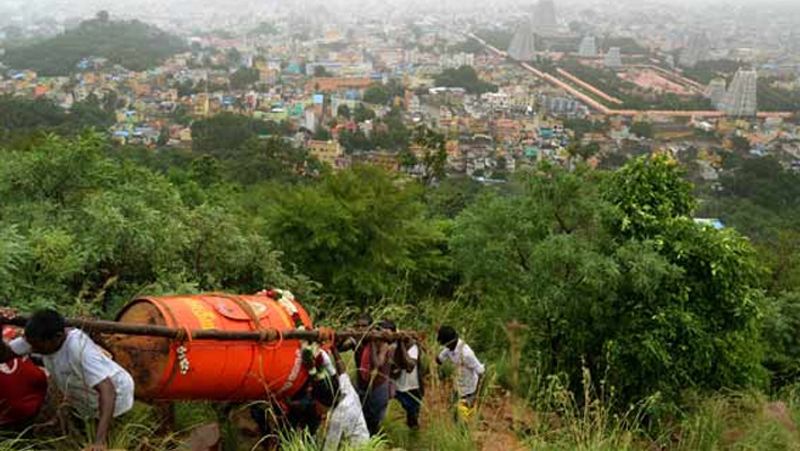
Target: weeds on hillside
x,y
518,404
303,441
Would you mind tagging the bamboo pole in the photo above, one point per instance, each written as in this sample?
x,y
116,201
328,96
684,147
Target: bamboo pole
x,y
265,335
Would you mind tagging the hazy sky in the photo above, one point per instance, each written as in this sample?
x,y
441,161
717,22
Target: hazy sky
x,y
26,11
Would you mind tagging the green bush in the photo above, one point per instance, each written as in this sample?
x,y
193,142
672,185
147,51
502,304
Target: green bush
x,y
81,231
615,277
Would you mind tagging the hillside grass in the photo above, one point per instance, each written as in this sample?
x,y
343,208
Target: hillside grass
x,y
515,411
732,421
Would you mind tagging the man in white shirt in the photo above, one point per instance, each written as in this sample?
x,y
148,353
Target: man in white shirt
x,y
346,419
407,380
469,368
93,384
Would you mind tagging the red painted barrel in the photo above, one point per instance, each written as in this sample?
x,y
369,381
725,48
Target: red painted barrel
x,y
216,370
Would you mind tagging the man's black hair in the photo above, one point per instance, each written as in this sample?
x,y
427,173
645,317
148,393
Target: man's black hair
x,y
44,325
446,335
388,324
366,317
326,391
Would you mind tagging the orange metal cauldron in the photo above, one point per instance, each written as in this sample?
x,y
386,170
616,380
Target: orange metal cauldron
x,y
216,370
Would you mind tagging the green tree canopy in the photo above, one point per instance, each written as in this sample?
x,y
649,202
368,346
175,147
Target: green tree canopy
x,y
360,233
84,232
20,117
132,44
243,78
614,276
464,77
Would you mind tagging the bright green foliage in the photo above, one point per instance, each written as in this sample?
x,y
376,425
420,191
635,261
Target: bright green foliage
x,y
361,233
79,230
608,272
649,192
132,44
614,276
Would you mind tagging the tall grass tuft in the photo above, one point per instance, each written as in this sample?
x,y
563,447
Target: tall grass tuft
x,y
21,443
304,441
739,421
586,424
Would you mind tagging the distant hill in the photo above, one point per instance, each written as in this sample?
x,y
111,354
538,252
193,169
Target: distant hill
x,y
132,44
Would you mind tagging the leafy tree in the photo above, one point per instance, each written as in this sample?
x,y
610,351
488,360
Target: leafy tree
x,y
705,71
626,45
377,94
649,193
355,141
186,88
222,133
20,117
83,232
468,46
343,111
322,134
615,277
764,182
362,113
180,115
265,29
642,129
740,144
464,77
584,152
89,114
452,196
391,132
582,126
244,78
272,159
18,114
234,56
782,319
360,234
431,156
321,71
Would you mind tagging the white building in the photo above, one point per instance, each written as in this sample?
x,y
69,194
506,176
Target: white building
x,y
588,47
613,58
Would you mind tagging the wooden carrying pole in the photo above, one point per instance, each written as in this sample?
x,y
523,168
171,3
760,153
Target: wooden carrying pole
x,y
265,335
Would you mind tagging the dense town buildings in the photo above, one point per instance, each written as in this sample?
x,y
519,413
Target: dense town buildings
x,y
339,88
